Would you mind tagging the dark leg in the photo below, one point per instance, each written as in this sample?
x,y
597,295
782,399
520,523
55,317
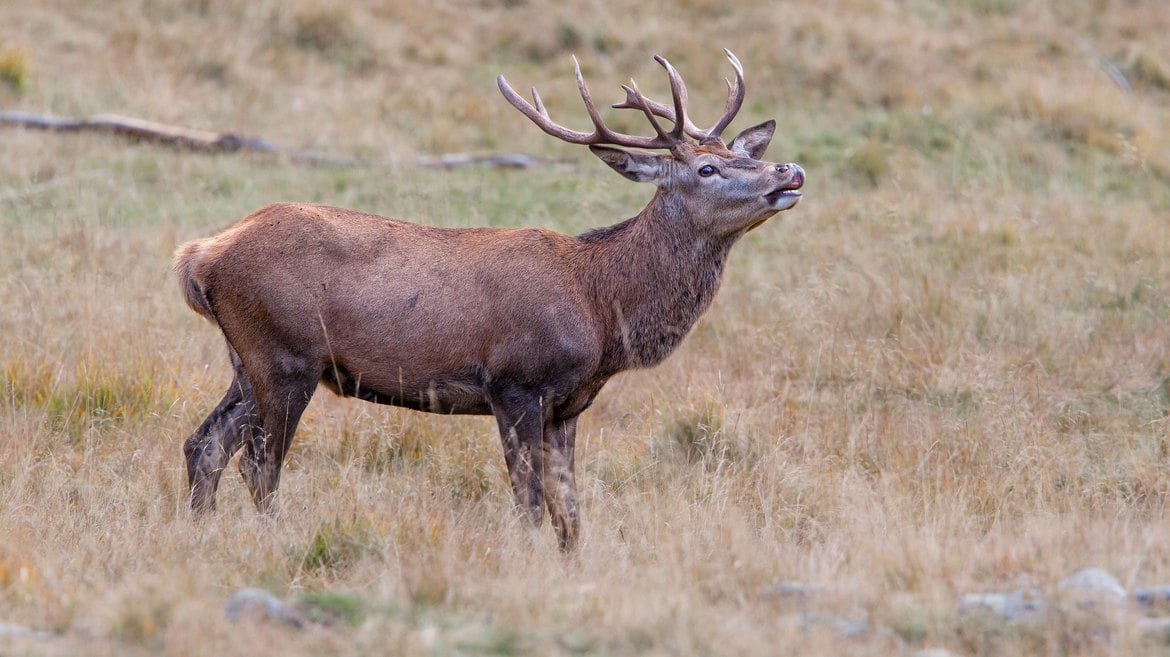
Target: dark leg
x,y
560,482
279,405
521,423
212,445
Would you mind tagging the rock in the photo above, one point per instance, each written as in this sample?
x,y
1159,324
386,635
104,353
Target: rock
x,y
20,631
1091,587
849,628
1152,597
1154,628
1011,606
842,626
935,652
789,591
256,604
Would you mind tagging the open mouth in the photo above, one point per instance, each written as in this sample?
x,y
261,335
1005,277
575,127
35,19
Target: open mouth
x,y
780,195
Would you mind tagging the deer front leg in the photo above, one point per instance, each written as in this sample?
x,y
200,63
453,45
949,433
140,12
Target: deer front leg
x,y
560,482
521,423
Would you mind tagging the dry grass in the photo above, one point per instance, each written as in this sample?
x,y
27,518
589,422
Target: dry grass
x,y
947,371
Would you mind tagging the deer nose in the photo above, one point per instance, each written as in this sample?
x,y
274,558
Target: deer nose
x,y
796,172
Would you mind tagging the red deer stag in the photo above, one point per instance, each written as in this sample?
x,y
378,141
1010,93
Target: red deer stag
x,y
523,324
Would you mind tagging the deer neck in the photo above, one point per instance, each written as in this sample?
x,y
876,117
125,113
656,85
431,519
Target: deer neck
x,y
651,277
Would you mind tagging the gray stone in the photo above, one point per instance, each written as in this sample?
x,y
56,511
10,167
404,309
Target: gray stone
x,y
1153,597
257,604
1091,587
789,591
842,626
20,631
1154,628
1010,606
935,652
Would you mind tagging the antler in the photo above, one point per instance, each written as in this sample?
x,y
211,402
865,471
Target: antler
x,y
602,134
735,96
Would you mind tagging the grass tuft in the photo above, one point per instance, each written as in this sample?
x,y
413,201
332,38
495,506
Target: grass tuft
x,y
332,607
14,67
1147,70
334,547
96,394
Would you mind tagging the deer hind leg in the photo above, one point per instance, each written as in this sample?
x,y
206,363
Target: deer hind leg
x,y
521,424
212,445
560,482
280,401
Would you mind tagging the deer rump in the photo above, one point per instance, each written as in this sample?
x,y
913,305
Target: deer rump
x,y
395,312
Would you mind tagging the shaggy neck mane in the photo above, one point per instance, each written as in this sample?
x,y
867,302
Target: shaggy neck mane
x,y
650,278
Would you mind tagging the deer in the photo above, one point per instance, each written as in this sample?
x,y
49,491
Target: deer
x,y
523,324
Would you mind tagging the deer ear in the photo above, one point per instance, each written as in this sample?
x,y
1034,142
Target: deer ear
x,y
753,141
639,167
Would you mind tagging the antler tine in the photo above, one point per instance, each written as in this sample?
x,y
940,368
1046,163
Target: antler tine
x,y
601,134
601,129
678,92
641,102
735,95
635,100
538,102
539,115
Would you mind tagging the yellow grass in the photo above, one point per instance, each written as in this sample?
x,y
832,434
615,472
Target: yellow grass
x,y
946,371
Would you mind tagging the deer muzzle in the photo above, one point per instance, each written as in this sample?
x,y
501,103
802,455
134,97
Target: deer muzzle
x,y
787,194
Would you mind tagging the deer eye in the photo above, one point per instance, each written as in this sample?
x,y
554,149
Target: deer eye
x,y
706,170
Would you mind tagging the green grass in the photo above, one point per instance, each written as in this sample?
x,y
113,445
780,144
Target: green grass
x,y
14,67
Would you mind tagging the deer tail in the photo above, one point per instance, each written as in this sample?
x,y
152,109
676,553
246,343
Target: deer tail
x,y
187,257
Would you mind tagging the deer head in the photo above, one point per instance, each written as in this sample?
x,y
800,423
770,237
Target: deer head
x,y
724,188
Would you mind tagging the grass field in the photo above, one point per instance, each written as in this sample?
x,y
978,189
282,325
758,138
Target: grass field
x,y
946,371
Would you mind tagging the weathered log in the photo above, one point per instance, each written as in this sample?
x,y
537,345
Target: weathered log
x,y
230,142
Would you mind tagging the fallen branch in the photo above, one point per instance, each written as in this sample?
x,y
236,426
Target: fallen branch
x,y
502,160
230,142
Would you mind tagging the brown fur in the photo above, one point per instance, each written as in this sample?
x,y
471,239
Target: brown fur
x,y
523,324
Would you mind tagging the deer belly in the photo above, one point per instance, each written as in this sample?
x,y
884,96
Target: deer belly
x,y
452,395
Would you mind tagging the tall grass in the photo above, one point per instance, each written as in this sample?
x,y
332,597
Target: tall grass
x,y
946,371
